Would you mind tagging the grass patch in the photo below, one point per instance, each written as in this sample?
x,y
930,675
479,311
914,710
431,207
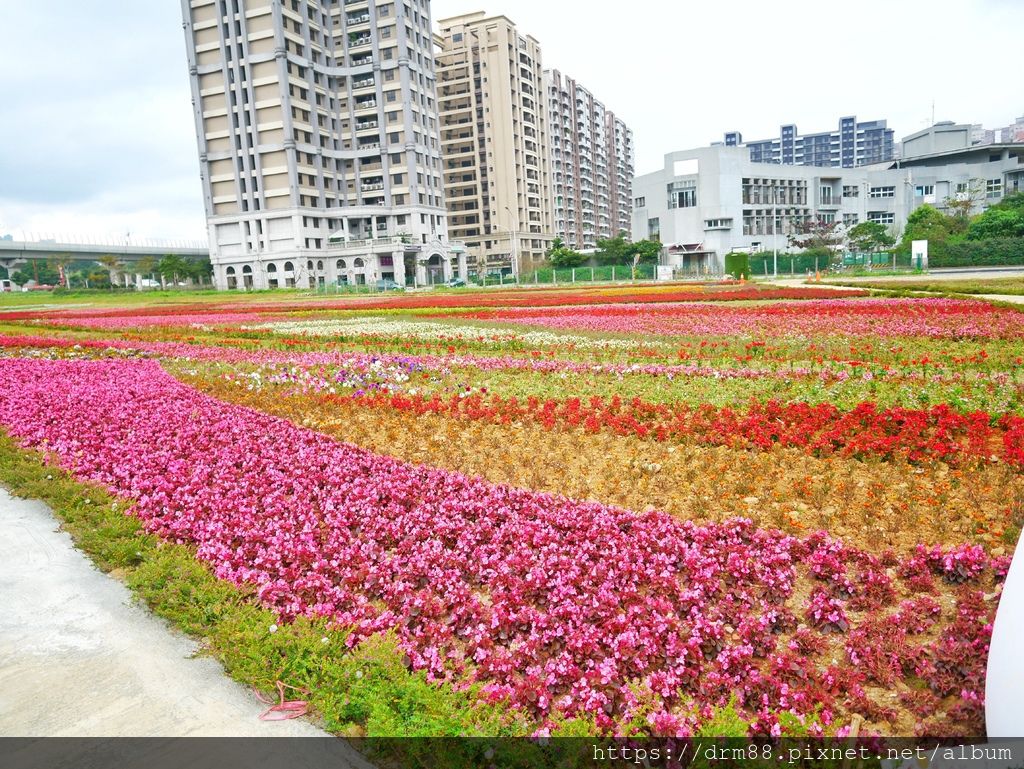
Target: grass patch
x,y
1005,286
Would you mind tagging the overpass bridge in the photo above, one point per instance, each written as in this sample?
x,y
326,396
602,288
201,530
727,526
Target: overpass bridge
x,y
127,251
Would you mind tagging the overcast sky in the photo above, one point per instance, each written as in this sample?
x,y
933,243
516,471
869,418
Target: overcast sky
x,y
97,137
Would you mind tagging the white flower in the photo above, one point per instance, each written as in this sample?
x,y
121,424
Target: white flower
x,y
273,628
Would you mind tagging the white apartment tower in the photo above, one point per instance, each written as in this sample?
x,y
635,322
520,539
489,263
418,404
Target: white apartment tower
x,y
494,141
319,143
591,164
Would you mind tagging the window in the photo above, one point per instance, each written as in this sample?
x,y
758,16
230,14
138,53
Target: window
x,y
994,188
924,190
851,191
717,224
882,192
850,219
654,229
640,202
882,217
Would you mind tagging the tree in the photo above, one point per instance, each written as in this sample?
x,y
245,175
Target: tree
x,y
645,251
171,267
870,236
928,223
962,204
62,262
147,265
1003,220
561,256
818,235
201,269
114,268
38,270
614,250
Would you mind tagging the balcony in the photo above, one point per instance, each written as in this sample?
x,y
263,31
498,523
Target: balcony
x,y
384,244
365,126
366,83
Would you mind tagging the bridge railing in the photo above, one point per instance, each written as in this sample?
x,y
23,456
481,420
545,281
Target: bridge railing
x,y
64,239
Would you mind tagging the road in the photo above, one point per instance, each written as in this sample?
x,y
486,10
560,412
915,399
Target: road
x,y
79,658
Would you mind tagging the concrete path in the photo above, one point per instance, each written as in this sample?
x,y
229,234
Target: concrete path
x,y
78,658
803,283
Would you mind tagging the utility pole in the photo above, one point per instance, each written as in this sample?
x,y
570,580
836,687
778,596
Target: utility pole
x,y
514,222
775,231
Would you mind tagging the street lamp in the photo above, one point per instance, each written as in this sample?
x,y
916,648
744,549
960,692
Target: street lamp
x,y
513,233
775,231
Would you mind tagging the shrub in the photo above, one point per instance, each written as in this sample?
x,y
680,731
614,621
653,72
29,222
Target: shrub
x,y
989,252
737,264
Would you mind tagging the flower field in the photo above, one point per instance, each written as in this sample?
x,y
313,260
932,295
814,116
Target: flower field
x,y
622,510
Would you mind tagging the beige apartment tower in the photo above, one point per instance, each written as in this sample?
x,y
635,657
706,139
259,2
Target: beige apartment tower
x,y
494,141
319,142
591,165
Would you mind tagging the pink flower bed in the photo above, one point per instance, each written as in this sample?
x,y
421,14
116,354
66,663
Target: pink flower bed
x,y
943,318
128,321
557,605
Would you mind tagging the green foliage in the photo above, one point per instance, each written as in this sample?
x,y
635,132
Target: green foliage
x,y
614,250
646,251
725,722
1013,202
870,236
43,271
997,223
993,252
928,223
561,256
737,264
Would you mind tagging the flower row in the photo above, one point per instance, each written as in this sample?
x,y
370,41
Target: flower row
x,y
941,318
555,605
939,433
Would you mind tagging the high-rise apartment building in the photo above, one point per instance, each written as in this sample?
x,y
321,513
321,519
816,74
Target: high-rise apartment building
x,y
319,141
494,141
853,144
591,164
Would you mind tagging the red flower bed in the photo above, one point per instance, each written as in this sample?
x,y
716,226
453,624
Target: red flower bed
x,y
939,433
495,298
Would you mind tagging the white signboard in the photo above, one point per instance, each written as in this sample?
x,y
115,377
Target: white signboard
x,y
919,255
664,273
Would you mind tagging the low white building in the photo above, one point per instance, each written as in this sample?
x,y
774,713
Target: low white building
x,y
707,202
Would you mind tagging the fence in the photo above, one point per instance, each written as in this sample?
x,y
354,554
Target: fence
x,y
763,264
604,274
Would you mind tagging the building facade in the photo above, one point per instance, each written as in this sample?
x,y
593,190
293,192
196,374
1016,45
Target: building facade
x,y
319,142
591,164
854,143
707,202
494,141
